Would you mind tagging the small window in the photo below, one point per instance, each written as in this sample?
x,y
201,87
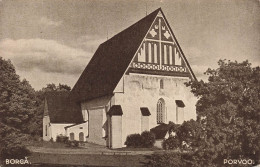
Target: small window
x,y
161,84
80,127
46,130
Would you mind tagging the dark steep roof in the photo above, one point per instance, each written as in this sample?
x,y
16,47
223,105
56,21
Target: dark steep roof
x,y
110,61
61,109
66,127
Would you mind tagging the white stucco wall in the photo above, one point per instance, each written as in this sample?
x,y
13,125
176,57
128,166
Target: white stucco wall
x,y
77,129
116,131
85,114
132,92
145,123
58,129
144,91
97,119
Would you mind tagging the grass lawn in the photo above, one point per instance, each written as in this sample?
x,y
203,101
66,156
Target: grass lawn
x,y
51,159
48,144
40,159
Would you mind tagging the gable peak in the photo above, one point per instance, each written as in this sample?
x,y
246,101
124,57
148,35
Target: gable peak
x,y
159,52
159,14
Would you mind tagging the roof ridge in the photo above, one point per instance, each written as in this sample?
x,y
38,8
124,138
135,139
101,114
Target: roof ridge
x,y
110,61
119,33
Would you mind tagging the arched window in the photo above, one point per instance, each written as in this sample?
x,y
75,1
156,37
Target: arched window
x,y
161,84
160,111
81,136
71,136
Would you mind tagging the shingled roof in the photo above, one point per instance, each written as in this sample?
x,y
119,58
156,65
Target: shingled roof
x,y
111,60
61,109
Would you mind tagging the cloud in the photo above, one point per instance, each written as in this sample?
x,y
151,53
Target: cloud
x,y
89,42
49,23
199,71
46,55
45,61
193,52
39,79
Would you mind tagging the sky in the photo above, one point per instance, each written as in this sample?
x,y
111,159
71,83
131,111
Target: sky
x,y
52,41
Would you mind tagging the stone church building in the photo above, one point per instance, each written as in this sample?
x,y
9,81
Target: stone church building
x,y
134,82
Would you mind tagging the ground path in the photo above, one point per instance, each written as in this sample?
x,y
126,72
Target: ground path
x,y
93,150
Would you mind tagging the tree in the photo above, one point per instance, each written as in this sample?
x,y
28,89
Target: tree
x,y
166,160
36,128
12,143
21,110
192,133
17,98
17,108
229,111
53,87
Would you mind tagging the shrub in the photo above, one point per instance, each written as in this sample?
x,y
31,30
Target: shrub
x,y
36,138
166,160
172,128
62,139
73,143
133,140
12,143
171,143
14,151
177,159
191,133
148,139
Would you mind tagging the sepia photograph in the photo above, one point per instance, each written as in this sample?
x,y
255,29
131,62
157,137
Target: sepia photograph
x,y
130,83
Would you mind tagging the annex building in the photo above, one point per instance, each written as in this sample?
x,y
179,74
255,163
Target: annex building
x,y
134,82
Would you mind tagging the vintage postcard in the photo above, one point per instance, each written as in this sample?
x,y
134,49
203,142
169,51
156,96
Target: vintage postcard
x,y
158,83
